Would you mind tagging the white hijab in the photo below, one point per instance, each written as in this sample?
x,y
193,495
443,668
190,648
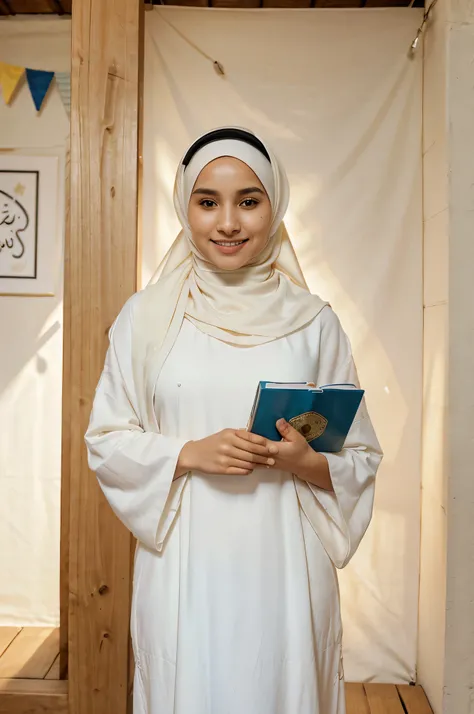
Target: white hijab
x,y
258,303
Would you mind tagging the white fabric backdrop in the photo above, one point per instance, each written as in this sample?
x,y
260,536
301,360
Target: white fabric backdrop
x,y
336,94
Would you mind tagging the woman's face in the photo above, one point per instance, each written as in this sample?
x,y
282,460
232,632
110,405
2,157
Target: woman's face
x,y
229,213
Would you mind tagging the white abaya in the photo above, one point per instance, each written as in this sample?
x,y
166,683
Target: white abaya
x,y
235,603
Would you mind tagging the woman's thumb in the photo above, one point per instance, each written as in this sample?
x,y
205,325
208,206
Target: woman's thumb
x,y
286,430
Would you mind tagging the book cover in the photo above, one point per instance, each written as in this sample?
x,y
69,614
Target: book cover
x,y
323,415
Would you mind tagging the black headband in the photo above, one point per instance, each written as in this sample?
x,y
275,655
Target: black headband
x,y
219,135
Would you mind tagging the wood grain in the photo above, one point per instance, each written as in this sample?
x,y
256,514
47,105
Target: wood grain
x,y
30,696
7,635
383,699
356,700
100,276
414,699
31,653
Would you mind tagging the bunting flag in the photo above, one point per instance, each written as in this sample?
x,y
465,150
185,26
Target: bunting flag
x,y
63,81
38,82
10,75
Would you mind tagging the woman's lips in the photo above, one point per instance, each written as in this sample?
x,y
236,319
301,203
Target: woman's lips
x,y
230,247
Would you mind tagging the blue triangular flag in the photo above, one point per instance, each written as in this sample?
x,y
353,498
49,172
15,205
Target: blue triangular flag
x,y
38,82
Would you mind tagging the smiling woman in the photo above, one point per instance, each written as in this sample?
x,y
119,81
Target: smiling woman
x,y
235,604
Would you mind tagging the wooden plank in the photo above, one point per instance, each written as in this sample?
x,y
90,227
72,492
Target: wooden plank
x,y
31,653
7,635
356,700
414,699
30,696
33,686
54,672
100,276
383,699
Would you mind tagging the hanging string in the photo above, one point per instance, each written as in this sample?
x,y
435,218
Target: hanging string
x,y
426,16
219,69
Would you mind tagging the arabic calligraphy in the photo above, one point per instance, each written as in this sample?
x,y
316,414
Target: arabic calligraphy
x,y
14,220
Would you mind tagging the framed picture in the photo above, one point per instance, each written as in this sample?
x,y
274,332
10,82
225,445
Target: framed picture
x,y
29,230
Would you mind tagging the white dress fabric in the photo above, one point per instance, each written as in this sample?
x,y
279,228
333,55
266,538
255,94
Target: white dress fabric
x,y
235,603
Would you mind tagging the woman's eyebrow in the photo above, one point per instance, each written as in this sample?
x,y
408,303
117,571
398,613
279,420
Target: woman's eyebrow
x,y
206,191
241,192
251,189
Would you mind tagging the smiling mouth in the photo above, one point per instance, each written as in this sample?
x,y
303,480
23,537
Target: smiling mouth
x,y
229,243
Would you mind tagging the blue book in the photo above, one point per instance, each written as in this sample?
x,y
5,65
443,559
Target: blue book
x,y
323,415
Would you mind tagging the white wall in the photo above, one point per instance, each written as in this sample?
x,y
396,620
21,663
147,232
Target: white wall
x,y
446,631
459,647
31,360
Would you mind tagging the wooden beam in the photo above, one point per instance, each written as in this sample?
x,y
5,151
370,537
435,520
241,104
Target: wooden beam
x,y
100,274
33,696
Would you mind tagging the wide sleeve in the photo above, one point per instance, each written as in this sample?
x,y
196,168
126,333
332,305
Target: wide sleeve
x,y
340,519
135,468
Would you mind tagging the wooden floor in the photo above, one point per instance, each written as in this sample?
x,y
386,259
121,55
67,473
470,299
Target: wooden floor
x,y
386,699
33,653
29,653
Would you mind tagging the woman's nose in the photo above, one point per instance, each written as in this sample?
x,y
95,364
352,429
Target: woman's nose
x,y
228,222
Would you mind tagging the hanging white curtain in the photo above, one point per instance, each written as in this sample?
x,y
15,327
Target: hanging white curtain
x,y
336,94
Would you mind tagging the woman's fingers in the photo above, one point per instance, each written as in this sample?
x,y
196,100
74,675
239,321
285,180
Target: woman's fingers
x,y
240,464
231,471
251,458
253,443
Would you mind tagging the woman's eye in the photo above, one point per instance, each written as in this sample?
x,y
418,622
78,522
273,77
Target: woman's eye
x,y
207,203
249,202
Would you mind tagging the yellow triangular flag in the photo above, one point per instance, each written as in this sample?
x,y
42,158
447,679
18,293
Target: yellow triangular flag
x,y
9,78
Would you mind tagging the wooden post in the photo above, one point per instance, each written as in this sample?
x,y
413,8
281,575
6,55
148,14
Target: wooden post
x,y
100,274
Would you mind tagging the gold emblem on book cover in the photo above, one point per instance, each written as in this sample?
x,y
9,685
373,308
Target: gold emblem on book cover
x,y
311,425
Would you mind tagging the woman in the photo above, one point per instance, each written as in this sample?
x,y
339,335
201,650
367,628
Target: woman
x,y
235,604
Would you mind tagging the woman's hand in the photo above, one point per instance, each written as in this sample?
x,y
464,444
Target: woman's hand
x,y
296,456
231,451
